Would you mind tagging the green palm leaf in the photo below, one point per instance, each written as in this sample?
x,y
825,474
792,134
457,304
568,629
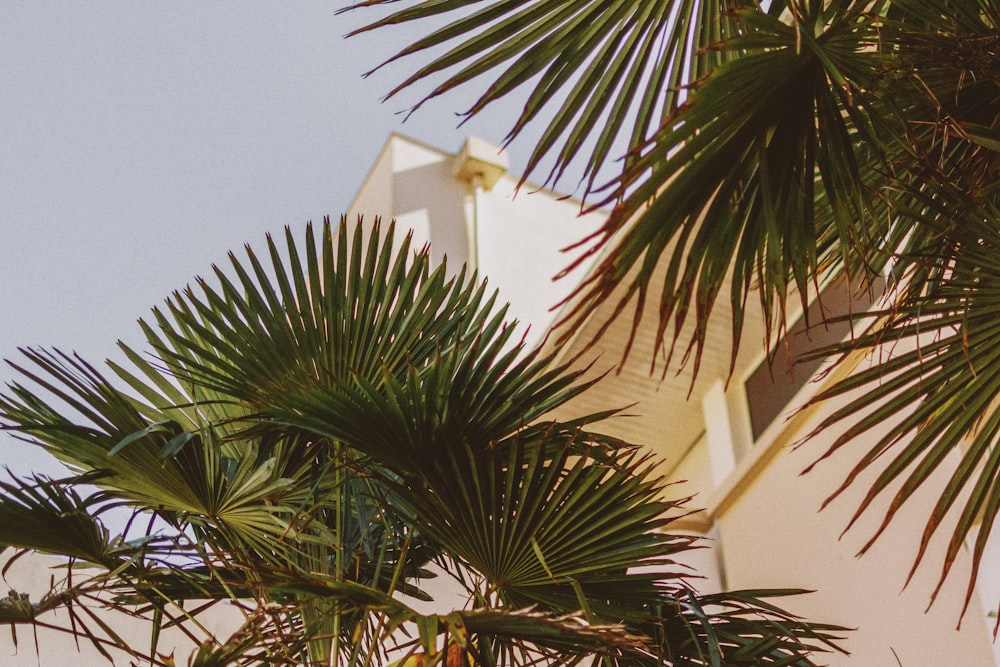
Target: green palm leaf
x,y
601,74
938,396
50,516
311,433
935,381
791,143
349,308
728,189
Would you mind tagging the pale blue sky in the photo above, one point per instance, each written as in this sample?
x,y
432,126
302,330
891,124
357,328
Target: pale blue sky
x,y
141,140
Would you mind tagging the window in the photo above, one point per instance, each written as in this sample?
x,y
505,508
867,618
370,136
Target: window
x,y
773,384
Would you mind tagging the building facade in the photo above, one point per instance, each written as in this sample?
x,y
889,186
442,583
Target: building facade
x,y
737,442
727,438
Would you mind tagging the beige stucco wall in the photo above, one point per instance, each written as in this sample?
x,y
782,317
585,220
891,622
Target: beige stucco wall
x,y
514,238
374,198
522,236
773,535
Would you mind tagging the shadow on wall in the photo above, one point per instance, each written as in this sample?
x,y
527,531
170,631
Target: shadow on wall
x,y
430,193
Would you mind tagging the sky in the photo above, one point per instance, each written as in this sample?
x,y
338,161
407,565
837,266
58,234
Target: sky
x,y
142,140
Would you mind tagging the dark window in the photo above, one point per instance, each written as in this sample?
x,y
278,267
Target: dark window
x,y
773,384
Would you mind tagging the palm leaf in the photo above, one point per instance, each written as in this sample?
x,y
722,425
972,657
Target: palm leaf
x,y
938,394
531,524
601,74
312,432
50,516
727,190
934,381
347,309
740,627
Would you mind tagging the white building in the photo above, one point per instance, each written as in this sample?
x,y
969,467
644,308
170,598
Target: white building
x,y
470,209
728,437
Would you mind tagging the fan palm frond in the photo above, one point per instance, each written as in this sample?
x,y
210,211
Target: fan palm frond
x,y
601,75
311,434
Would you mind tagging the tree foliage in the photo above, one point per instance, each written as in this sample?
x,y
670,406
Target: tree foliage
x,y
768,148
318,431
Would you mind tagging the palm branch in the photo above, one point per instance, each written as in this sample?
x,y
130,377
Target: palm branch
x,y
311,433
788,142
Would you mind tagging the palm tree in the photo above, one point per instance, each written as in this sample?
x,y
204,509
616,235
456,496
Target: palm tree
x,y
770,147
313,436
